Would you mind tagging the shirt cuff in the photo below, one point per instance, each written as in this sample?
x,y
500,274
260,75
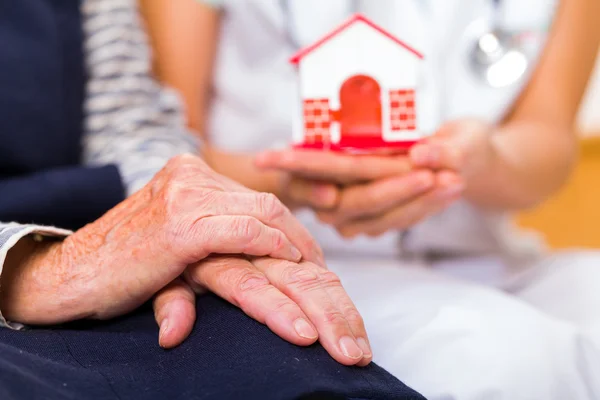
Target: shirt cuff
x,y
10,234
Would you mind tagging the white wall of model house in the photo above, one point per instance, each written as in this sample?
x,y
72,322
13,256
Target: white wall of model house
x,y
360,49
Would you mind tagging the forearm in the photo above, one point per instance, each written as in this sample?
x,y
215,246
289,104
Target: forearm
x,y
536,147
240,167
184,36
531,160
132,122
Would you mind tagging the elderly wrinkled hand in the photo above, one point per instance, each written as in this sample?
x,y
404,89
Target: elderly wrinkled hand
x,y
300,302
365,194
157,240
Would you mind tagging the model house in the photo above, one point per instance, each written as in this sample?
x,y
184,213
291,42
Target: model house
x,y
358,88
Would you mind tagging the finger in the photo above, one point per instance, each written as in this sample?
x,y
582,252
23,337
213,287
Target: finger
x,y
242,235
380,196
237,281
437,155
175,313
407,215
328,166
320,295
448,148
268,209
339,296
318,195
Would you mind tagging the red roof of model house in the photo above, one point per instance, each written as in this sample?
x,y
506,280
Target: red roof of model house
x,y
354,19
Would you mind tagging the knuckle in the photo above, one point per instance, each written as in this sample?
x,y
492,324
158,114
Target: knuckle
x,y
247,228
353,317
184,167
298,276
307,279
172,194
278,242
334,317
270,206
174,200
176,162
330,278
282,306
249,283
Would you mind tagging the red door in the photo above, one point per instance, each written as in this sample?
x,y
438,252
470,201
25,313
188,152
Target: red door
x,y
360,112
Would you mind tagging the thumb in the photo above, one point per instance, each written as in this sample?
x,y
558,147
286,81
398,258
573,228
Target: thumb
x,y
175,313
446,154
451,145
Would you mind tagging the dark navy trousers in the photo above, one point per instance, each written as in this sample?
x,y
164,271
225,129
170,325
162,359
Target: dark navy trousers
x,y
227,356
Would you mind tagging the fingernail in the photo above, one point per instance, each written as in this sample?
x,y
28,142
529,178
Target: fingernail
x,y
350,348
304,329
364,346
164,329
296,254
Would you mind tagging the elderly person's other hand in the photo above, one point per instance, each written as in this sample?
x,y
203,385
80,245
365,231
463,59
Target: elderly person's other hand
x,y
145,244
301,302
364,194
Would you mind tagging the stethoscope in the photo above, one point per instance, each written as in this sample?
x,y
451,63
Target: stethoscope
x,y
497,59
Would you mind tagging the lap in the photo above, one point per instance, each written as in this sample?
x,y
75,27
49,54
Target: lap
x,y
434,332
566,286
228,356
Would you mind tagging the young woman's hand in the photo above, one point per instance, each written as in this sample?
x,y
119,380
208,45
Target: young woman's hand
x,y
394,203
364,194
442,168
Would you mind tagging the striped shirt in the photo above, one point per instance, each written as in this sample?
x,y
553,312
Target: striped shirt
x,y
130,120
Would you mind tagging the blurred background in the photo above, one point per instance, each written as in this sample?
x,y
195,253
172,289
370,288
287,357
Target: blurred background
x,y
572,217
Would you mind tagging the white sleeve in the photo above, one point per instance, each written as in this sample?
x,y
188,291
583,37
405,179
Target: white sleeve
x,y
131,120
10,234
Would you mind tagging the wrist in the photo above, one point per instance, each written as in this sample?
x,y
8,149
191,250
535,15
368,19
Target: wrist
x,y
21,284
